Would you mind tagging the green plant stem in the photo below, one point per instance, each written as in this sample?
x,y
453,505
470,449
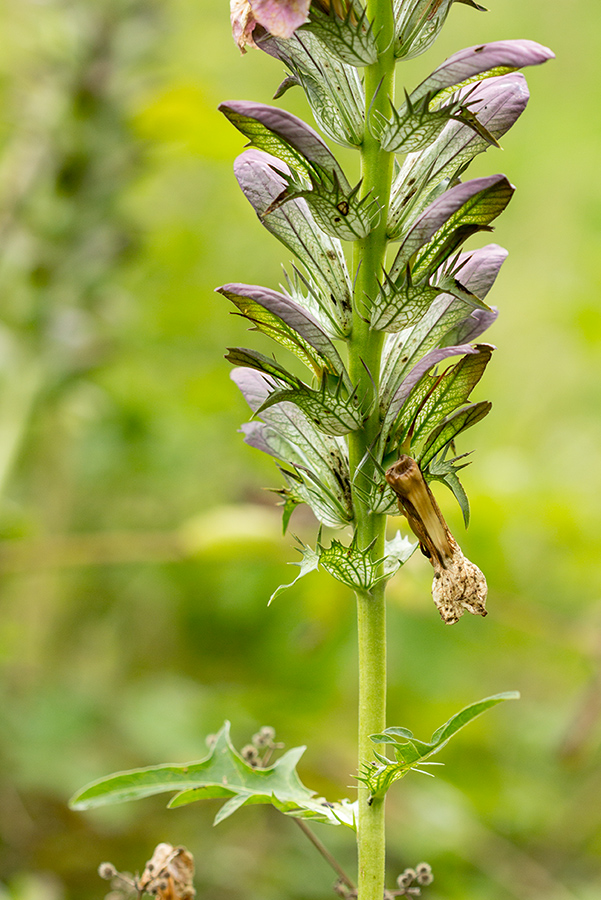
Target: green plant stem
x,y
365,350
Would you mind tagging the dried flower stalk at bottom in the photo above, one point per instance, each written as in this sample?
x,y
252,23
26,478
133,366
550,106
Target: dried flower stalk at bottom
x,y
458,584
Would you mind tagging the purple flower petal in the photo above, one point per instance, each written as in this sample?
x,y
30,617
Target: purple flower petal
x,y
281,17
243,23
440,211
418,371
292,314
295,227
293,130
480,59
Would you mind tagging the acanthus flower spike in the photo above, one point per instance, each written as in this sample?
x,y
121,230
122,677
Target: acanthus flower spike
x,y
458,584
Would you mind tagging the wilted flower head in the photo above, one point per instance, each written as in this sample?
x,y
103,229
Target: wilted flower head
x,y
279,17
458,584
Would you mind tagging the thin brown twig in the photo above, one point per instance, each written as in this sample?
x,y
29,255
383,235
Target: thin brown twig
x,y
326,854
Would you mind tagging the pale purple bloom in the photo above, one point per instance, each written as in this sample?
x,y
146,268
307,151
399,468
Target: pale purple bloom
x,y
279,17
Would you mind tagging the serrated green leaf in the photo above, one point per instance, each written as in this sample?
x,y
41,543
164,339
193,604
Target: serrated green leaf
x,y
340,215
330,409
350,39
441,469
350,565
412,128
460,421
409,752
398,306
309,563
222,774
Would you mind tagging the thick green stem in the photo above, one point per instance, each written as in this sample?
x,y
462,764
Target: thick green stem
x,y
365,349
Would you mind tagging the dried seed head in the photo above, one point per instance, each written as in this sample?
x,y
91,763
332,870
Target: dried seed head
x,y
406,878
169,873
424,873
250,755
264,737
107,871
458,584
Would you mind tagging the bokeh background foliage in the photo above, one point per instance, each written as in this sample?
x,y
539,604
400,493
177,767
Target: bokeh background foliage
x,y
138,546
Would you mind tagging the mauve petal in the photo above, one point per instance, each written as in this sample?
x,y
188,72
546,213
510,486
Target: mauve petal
x,y
281,17
480,59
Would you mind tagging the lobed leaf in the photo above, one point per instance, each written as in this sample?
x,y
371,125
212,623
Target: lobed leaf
x,y
222,774
410,752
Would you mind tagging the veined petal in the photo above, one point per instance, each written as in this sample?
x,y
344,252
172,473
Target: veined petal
x,y
281,17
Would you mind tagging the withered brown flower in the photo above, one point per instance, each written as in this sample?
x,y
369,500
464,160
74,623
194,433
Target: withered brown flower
x,y
458,584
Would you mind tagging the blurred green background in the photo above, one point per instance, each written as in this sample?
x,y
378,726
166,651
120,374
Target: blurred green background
x,y
139,547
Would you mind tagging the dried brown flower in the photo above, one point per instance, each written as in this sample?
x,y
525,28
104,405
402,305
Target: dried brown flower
x,y
458,584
